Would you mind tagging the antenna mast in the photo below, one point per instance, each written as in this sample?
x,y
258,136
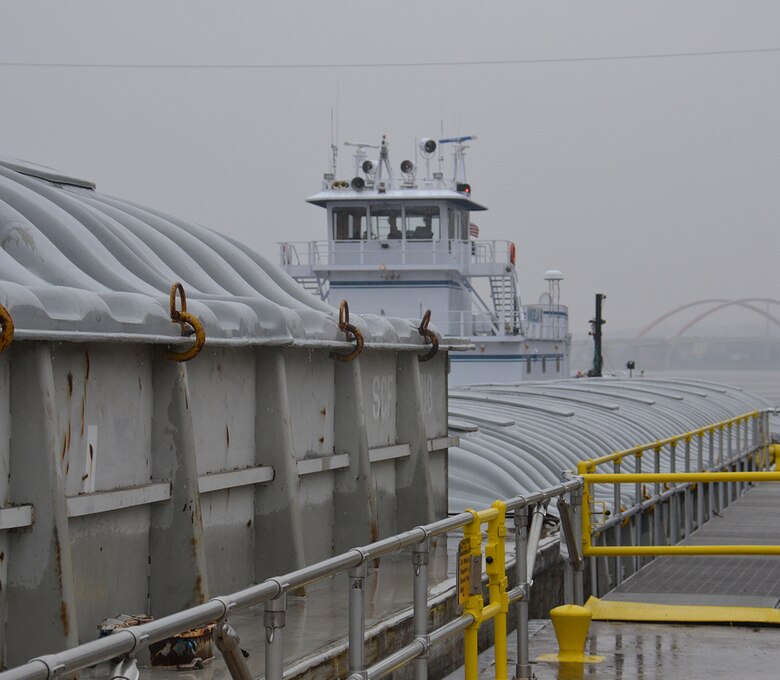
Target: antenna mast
x,y
595,325
334,147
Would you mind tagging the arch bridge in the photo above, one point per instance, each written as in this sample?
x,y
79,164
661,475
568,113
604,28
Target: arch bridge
x,y
670,342
711,307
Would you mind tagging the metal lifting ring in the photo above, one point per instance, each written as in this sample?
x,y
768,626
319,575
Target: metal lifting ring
x,y
352,333
184,319
430,335
7,335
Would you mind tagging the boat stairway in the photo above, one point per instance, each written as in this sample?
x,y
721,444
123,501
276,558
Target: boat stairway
x,y
503,293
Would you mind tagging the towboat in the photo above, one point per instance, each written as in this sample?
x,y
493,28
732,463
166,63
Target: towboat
x,y
401,242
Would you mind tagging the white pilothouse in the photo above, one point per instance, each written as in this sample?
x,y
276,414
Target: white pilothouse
x,y
400,244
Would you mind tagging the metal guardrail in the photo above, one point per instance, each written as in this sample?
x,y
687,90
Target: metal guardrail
x,y
465,253
741,443
717,461
125,643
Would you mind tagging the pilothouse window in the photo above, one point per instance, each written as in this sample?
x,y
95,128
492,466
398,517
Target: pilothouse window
x,y
349,224
458,224
422,223
386,222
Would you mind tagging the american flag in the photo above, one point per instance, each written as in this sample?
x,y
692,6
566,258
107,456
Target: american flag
x,y
473,230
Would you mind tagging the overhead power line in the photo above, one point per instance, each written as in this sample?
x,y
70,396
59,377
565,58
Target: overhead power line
x,y
416,64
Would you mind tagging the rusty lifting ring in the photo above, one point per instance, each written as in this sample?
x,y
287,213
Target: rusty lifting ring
x,y
352,333
184,319
430,335
7,335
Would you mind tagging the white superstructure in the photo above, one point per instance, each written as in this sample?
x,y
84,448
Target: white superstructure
x,y
399,243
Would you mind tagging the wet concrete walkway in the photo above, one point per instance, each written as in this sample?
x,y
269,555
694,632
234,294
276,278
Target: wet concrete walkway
x,y
648,651
634,650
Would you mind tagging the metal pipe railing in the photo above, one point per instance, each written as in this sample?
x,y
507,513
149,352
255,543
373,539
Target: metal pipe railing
x,y
272,592
523,667
676,505
746,450
420,559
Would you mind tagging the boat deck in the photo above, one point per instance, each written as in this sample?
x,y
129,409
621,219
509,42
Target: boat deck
x,y
651,651
717,581
639,634
737,591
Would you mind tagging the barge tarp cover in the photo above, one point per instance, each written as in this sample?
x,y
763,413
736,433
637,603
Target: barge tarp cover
x,y
517,438
75,261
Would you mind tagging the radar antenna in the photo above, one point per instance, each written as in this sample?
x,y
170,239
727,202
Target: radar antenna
x,y
360,154
459,151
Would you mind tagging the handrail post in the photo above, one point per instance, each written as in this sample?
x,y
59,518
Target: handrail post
x,y
721,491
713,488
688,496
616,511
357,619
420,559
742,452
658,518
475,604
585,506
523,666
752,436
733,487
579,573
764,428
275,620
700,487
749,442
674,519
495,560
765,439
638,561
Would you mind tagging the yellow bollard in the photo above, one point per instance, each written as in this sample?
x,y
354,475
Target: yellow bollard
x,y
571,623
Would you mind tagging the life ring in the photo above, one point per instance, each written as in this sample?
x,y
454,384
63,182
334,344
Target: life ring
x,y
512,252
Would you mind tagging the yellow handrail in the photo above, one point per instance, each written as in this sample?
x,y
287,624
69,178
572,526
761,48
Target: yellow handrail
x,y
678,477
657,445
587,470
658,550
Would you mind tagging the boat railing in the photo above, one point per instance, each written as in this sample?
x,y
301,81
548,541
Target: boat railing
x,y
640,503
484,322
545,322
122,647
301,253
469,323
675,499
477,258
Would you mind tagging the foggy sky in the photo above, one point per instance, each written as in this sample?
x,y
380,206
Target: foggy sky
x,y
652,180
